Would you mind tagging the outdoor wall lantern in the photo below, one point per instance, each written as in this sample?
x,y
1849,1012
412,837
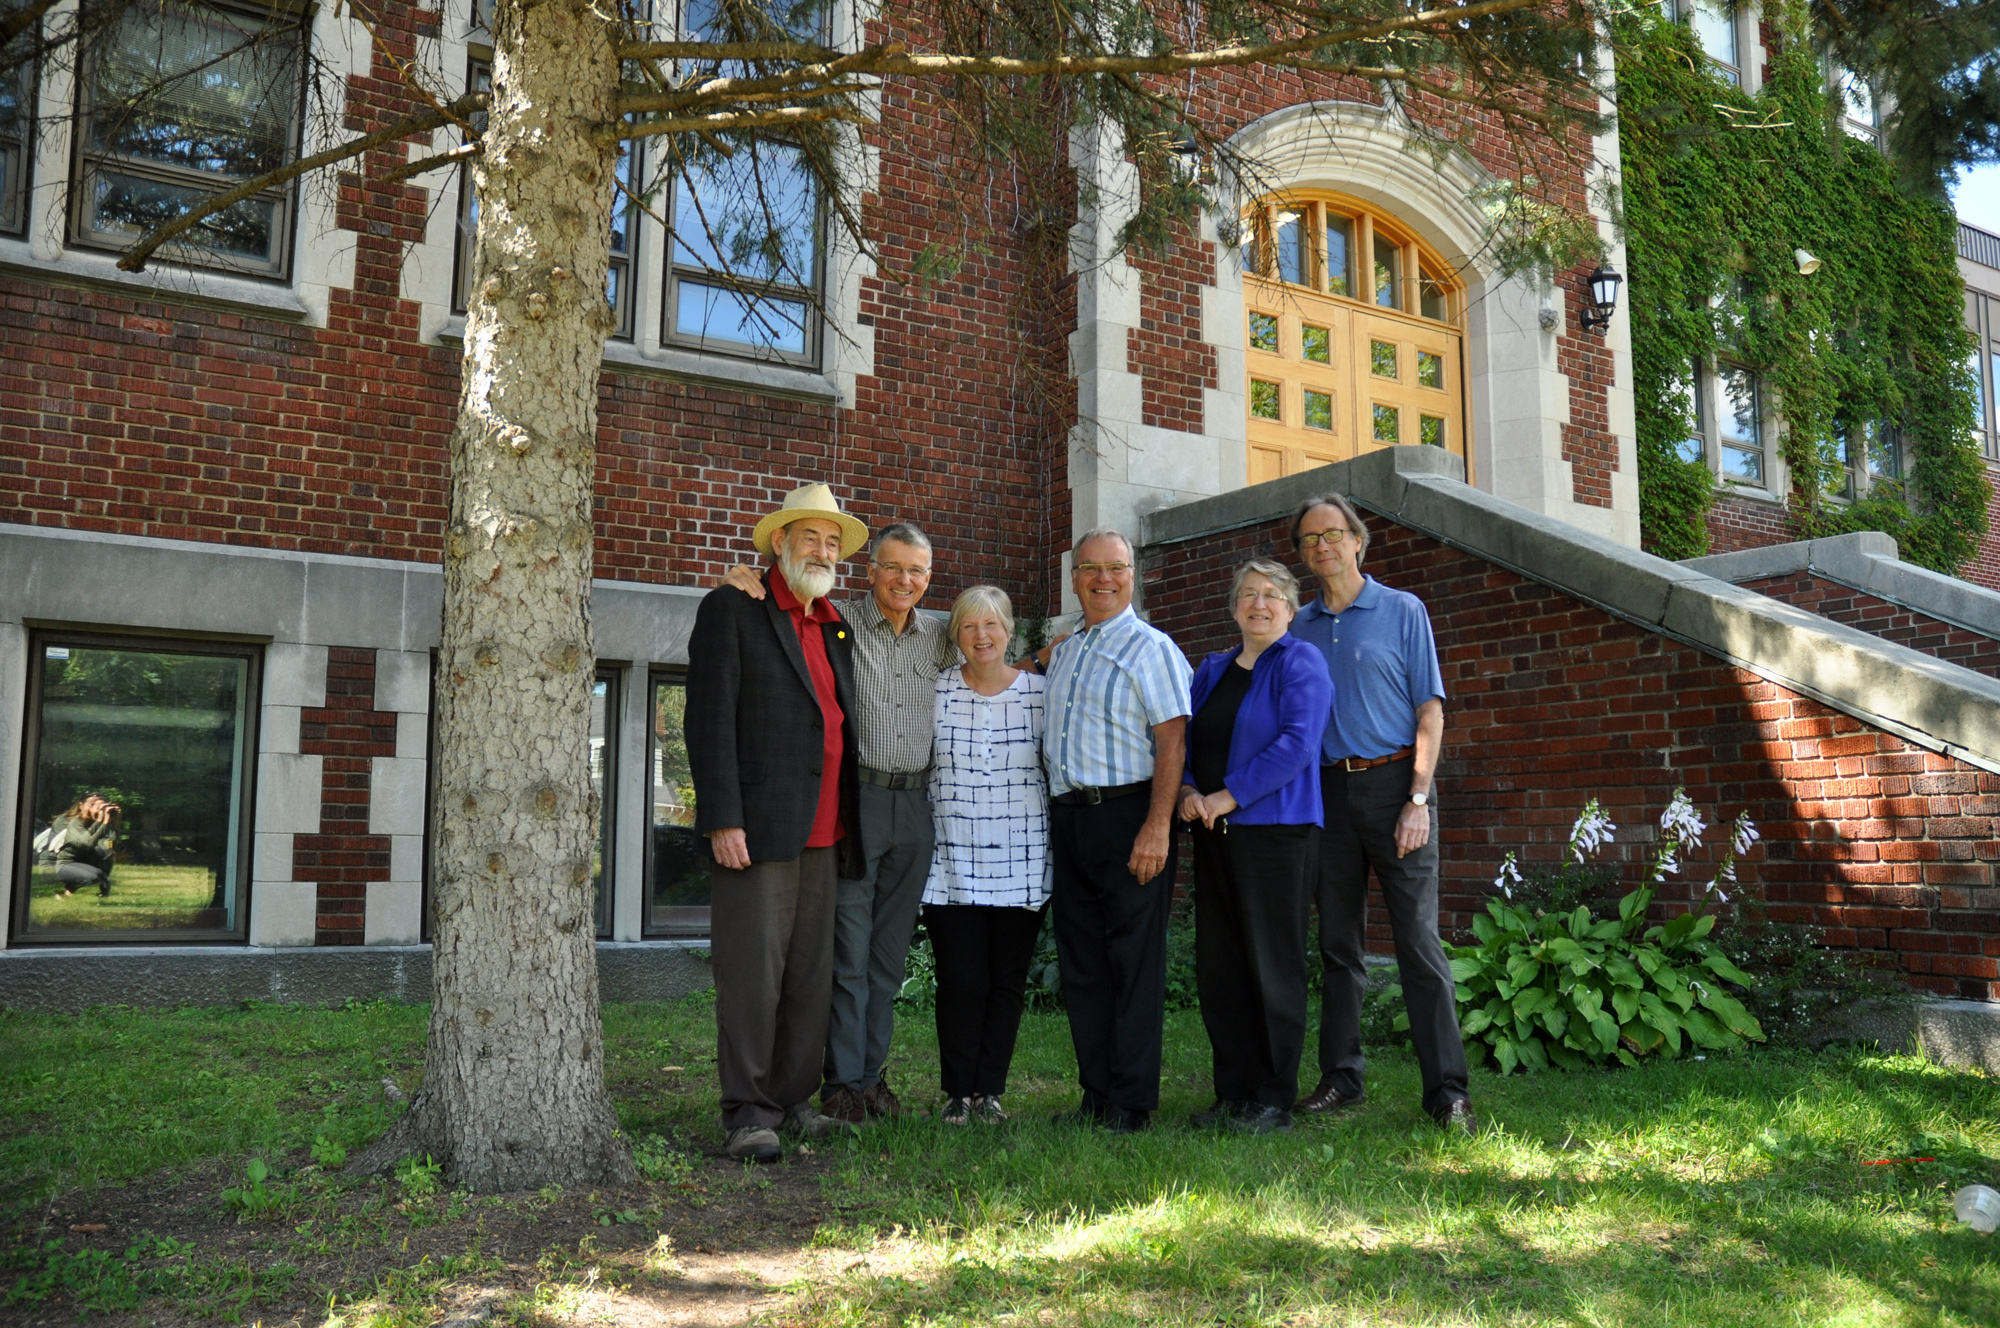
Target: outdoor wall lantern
x,y
1187,154
1604,285
1808,264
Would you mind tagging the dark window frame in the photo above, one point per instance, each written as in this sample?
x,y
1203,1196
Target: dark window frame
x,y
20,184
39,639
84,162
613,676
681,929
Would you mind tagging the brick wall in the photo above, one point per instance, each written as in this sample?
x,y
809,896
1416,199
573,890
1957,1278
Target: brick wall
x,y
1889,847
1746,523
1166,351
1984,569
1891,622
343,857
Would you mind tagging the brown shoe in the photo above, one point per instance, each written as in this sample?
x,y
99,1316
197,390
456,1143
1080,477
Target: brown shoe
x,y
880,1101
843,1104
1327,1098
1459,1119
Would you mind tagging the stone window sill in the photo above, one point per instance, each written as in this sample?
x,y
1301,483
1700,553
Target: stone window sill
x,y
761,377
163,281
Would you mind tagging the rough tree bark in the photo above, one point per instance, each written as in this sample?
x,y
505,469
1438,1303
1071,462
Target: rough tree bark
x,y
513,1094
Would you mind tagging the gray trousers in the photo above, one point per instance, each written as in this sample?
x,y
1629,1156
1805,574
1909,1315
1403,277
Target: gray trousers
x,y
1361,812
771,949
871,933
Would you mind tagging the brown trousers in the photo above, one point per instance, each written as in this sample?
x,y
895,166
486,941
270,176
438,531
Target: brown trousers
x,y
771,947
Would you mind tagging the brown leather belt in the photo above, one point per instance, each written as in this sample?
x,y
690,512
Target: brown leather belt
x,y
1351,764
1091,797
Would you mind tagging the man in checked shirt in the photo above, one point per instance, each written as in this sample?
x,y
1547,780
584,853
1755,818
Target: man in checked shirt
x,y
898,653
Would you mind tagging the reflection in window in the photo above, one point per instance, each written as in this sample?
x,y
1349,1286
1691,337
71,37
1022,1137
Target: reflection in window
x,y
1264,332
1693,447
1263,399
1714,26
1319,410
1388,424
1382,359
603,772
138,760
184,103
1387,259
1294,261
1339,250
1431,297
745,249
677,883
16,97
1430,369
1315,344
1741,426
1860,111
1430,431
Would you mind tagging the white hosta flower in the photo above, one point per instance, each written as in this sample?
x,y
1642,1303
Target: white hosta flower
x,y
1665,865
1591,832
1680,822
1509,877
1744,833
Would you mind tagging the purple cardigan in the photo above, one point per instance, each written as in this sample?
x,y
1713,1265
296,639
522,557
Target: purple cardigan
x,y
1273,769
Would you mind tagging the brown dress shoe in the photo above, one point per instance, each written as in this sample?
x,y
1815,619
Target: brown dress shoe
x,y
843,1104
1327,1098
1458,1119
880,1101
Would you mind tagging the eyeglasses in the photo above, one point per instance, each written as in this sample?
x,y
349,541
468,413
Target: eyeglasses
x,y
1092,569
1332,537
897,569
1271,597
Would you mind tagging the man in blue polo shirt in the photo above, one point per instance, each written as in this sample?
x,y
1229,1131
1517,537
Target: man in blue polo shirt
x,y
1381,750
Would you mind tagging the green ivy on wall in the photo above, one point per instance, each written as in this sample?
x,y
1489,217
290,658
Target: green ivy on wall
x,y
1720,187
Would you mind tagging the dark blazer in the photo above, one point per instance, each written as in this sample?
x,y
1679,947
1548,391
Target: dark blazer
x,y
754,731
1273,769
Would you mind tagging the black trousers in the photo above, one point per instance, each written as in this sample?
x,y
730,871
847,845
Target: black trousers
x,y
1360,834
1111,944
1250,898
982,956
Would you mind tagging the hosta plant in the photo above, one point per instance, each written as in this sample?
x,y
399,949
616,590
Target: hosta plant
x,y
1575,990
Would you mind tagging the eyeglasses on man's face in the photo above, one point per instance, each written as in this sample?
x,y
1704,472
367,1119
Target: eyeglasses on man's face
x,y
898,569
1092,569
1331,538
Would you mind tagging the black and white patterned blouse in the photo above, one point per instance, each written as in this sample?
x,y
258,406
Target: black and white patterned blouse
x,y
989,797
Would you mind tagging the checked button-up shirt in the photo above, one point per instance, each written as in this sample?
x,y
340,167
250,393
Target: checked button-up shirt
x,y
1109,685
895,685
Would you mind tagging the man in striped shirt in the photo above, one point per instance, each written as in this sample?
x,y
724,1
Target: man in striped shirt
x,y
1114,751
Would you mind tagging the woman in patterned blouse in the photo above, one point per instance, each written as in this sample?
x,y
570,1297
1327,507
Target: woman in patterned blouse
x,y
989,881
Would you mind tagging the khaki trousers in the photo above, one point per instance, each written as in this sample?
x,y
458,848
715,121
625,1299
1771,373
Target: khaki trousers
x,y
771,947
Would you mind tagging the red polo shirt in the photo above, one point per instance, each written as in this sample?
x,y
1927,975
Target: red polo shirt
x,y
827,829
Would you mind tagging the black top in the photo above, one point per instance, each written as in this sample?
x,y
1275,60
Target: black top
x,y
1210,731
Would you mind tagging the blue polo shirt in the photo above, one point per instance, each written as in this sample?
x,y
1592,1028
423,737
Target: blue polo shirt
x,y
1384,663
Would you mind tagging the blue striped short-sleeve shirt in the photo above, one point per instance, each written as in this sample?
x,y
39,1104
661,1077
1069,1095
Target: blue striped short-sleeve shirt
x,y
1109,685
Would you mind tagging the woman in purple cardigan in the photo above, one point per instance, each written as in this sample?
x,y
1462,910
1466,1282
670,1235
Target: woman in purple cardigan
x,y
1252,782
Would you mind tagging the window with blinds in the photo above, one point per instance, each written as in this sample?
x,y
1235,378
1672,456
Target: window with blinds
x,y
1354,340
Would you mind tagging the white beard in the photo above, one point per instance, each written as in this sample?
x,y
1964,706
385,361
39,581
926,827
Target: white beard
x,y
809,578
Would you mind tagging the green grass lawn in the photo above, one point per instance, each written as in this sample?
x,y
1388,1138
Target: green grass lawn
x,y
1721,1192
141,898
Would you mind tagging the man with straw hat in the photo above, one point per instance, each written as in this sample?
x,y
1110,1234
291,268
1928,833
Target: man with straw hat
x,y
773,749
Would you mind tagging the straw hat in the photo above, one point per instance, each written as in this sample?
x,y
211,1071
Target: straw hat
x,y
811,500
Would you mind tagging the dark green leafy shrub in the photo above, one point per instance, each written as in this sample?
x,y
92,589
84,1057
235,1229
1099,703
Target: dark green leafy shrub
x,y
1574,990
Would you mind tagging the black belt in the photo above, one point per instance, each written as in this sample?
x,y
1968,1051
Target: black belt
x,y
895,780
1090,797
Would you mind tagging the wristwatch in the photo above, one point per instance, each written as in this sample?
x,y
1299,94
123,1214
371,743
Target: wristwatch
x,y
1420,799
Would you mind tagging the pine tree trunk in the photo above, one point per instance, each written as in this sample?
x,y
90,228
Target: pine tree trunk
x,y
513,1094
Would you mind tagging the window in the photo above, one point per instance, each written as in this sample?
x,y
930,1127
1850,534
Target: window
x,y
679,861
17,99
1694,447
1741,425
1982,318
624,221
746,250
1334,365
1714,25
744,269
134,818
604,783
1860,109
182,102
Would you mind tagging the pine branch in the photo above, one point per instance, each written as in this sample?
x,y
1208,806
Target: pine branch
x,y
731,120
134,259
